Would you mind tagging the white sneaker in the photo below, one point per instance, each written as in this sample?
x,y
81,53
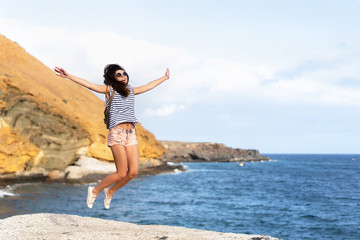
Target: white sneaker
x,y
90,197
107,198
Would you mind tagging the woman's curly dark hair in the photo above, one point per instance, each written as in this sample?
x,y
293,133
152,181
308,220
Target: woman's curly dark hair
x,y
109,79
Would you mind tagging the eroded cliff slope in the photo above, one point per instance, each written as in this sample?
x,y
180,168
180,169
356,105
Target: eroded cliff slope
x,y
45,120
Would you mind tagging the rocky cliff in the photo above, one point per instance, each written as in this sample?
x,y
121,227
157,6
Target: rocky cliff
x,y
47,121
208,152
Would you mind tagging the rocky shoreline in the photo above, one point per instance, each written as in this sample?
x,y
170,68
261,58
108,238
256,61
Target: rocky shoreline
x,y
60,226
86,170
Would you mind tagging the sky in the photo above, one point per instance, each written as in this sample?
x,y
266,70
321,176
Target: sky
x,y
278,76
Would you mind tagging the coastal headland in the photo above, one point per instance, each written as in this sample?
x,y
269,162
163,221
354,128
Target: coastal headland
x,y
208,152
60,226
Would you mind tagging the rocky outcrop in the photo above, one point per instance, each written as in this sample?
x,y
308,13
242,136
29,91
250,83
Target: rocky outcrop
x,y
45,120
208,152
60,226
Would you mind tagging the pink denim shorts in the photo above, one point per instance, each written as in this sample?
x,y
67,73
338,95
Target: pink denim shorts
x,y
118,135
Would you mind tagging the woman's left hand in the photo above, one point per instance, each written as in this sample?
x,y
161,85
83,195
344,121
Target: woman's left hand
x,y
61,72
167,74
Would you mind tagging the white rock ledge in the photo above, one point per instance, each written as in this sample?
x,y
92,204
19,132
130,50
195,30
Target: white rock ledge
x,y
59,226
87,165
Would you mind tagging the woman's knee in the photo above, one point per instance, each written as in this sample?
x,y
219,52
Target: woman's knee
x,y
132,173
120,175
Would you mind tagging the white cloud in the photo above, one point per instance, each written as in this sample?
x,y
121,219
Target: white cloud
x,y
164,110
323,82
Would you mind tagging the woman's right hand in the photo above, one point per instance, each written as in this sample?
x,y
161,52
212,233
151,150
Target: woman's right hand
x,y
61,72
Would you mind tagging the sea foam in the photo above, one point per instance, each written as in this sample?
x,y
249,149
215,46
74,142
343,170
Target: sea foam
x,y
6,192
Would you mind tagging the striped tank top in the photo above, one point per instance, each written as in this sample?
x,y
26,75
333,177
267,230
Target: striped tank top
x,y
122,108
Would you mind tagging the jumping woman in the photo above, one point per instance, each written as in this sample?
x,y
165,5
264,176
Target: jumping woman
x,y
122,138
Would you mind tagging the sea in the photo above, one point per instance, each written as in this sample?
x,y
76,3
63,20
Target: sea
x,y
292,196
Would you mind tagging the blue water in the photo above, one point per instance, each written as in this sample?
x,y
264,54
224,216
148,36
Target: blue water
x,y
290,197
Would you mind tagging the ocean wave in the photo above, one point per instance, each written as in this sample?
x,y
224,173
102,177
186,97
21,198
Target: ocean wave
x,y
7,192
272,160
172,163
176,171
186,167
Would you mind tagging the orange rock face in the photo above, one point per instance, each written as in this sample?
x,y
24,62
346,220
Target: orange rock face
x,y
43,113
16,153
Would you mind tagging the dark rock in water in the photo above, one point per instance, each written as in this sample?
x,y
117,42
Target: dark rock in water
x,y
13,178
208,152
163,168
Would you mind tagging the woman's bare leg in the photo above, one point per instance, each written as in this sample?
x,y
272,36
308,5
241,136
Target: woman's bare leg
x,y
121,162
132,153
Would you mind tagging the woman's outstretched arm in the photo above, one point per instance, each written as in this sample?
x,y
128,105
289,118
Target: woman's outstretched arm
x,y
92,86
152,84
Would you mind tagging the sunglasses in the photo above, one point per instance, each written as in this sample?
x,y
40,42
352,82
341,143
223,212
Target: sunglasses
x,y
119,74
